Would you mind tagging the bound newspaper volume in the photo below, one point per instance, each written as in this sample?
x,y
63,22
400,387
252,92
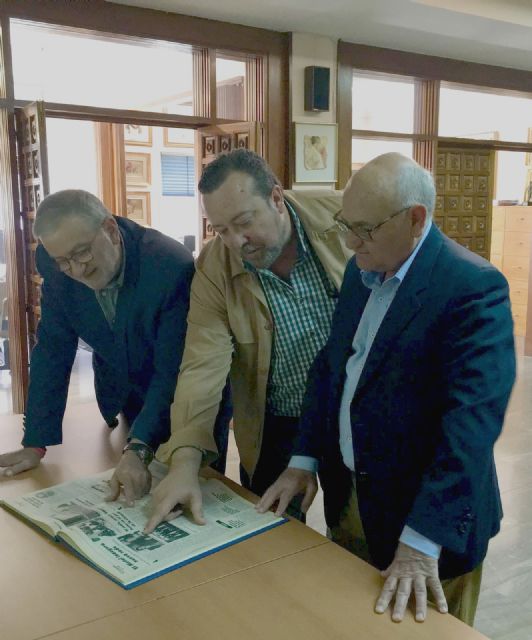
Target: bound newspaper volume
x,y
109,537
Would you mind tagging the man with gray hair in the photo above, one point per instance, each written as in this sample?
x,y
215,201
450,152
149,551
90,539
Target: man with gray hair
x,y
407,398
123,289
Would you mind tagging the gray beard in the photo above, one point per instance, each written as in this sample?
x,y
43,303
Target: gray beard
x,y
271,256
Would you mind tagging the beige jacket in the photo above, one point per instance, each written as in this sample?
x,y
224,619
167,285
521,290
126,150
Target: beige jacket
x,y
230,331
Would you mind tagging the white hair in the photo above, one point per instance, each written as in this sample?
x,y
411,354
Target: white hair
x,y
415,185
69,203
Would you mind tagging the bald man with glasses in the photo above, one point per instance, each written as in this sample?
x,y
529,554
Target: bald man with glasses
x,y
124,290
406,400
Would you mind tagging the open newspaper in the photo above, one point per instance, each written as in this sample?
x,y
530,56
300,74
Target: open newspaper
x,y
108,535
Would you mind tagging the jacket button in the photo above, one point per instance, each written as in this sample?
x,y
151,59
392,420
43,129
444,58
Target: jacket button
x,y
461,528
268,326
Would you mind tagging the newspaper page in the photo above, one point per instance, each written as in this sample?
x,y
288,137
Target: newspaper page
x,y
110,535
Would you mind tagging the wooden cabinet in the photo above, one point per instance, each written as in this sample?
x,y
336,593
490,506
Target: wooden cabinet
x,y
511,241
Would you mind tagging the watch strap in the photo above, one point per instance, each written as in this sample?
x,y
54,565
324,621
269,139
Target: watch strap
x,y
143,451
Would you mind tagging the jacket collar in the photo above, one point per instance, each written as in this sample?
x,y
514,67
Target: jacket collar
x,y
313,222
405,306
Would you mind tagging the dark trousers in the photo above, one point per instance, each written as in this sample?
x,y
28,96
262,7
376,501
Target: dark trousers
x,y
278,438
221,428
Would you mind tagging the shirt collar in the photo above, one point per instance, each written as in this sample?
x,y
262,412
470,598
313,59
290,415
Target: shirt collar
x,y
373,278
118,280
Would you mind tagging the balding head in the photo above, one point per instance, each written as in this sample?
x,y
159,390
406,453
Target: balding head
x,y
387,205
388,183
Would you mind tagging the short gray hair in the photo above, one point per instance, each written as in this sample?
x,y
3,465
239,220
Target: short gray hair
x,y
415,185
69,203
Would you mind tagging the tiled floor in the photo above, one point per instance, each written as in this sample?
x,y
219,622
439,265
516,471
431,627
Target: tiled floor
x,y
505,609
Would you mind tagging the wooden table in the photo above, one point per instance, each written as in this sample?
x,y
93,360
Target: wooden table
x,y
289,582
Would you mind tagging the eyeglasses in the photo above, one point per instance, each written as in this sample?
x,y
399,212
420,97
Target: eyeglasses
x,y
81,257
364,233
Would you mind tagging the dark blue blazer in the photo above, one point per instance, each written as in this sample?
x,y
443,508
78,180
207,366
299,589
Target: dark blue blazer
x,y
428,408
139,357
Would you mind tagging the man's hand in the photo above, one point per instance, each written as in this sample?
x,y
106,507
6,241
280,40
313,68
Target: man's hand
x,y
290,483
17,461
411,569
178,490
133,476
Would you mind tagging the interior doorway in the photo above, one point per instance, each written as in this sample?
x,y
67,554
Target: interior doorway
x,y
157,176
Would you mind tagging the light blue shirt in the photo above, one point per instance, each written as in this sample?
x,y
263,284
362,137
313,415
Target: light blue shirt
x,y
379,301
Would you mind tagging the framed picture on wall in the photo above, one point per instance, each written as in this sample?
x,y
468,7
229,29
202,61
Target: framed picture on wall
x,y
178,137
138,207
138,168
137,134
315,151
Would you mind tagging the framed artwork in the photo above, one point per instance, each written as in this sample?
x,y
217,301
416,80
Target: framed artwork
x,y
316,150
137,134
138,207
138,168
178,137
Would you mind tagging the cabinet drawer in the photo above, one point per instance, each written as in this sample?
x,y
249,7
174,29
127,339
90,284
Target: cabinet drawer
x,y
516,243
519,327
519,219
515,267
519,315
518,292
496,260
497,241
498,217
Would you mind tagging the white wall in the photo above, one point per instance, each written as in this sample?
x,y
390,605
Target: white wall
x,y
311,50
511,176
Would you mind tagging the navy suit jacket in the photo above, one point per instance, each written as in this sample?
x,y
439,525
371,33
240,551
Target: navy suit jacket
x,y
140,356
428,408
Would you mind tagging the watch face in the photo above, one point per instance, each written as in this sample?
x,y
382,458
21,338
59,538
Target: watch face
x,y
142,451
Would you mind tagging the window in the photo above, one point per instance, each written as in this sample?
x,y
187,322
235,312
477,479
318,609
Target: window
x,y
101,71
178,175
365,150
383,102
473,112
230,88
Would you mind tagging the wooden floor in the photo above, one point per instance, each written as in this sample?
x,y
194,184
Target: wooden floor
x,y
505,609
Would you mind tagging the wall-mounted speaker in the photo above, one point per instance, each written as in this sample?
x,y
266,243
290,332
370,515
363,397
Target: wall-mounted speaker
x,y
317,81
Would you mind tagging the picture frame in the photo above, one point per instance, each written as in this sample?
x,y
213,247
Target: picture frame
x,y
315,152
138,168
178,137
138,207
138,134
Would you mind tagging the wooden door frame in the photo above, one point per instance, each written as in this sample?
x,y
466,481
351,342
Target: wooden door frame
x,y
101,19
9,192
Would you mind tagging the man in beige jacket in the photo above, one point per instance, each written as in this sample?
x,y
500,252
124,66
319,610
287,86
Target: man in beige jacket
x,y
261,306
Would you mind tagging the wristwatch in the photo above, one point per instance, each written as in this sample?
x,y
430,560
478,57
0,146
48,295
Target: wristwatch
x,y
143,451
